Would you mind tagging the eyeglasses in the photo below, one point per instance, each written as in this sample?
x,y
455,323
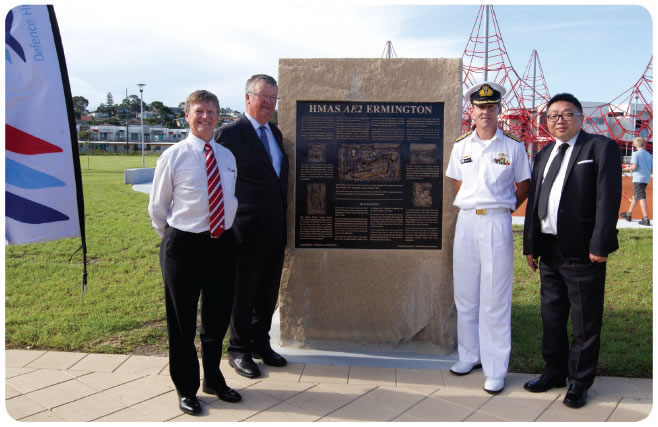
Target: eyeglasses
x,y
565,116
271,98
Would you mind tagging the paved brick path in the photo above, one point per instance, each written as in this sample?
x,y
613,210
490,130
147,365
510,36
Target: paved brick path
x,y
59,386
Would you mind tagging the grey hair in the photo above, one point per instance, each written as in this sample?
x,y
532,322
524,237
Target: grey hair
x,y
258,77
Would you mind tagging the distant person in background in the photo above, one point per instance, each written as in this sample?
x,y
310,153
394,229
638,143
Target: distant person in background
x,y
641,165
192,206
262,189
490,173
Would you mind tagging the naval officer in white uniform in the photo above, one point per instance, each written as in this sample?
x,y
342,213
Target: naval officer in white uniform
x,y
490,173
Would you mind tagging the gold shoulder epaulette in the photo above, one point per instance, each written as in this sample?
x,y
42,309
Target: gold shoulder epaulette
x,y
464,136
514,137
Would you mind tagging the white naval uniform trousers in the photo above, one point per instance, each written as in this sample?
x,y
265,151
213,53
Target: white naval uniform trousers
x,y
482,271
483,247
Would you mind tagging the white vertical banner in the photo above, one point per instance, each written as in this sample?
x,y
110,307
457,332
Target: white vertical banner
x,y
43,188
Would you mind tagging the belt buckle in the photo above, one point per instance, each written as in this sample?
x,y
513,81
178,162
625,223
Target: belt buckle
x,y
480,212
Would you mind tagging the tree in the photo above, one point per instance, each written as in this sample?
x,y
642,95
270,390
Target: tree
x,y
103,109
163,111
109,105
80,104
132,104
155,105
84,135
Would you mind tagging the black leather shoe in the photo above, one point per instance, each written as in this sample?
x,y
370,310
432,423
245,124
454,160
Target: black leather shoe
x,y
576,397
189,405
271,358
245,367
224,393
544,383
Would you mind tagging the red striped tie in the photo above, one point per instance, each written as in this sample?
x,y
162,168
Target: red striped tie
x,y
215,195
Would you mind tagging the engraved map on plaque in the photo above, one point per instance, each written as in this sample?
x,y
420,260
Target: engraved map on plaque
x,y
369,175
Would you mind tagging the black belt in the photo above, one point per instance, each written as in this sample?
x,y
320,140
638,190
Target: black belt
x,y
204,234
551,237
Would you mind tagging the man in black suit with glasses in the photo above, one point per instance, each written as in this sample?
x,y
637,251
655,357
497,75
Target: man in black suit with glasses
x,y
570,230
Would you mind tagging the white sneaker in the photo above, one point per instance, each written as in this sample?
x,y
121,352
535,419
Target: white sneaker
x,y
494,385
464,368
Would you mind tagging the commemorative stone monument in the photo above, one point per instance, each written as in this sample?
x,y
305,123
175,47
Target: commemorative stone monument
x,y
370,218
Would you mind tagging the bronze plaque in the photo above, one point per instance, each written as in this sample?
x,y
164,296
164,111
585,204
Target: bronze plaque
x,y
369,175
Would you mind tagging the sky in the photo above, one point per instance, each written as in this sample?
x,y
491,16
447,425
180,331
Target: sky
x,y
596,52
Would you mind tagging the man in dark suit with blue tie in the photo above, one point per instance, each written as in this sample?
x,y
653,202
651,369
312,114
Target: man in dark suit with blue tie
x,y
262,192
570,230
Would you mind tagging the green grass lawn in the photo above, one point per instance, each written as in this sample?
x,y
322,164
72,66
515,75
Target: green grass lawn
x,y
123,309
627,335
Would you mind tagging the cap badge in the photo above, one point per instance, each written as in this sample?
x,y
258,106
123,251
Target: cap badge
x,y
485,91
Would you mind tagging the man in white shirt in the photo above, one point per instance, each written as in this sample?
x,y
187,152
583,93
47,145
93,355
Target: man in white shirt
x,y
491,175
193,213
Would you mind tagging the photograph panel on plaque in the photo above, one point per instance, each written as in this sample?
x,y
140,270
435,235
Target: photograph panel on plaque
x,y
369,162
316,198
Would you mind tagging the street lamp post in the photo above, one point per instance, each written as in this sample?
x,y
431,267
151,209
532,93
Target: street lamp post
x,y
638,120
634,126
141,114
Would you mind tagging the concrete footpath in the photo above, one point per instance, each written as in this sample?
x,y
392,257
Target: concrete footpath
x,y
60,386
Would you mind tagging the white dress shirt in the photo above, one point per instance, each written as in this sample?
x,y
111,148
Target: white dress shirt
x,y
179,194
274,147
549,224
488,171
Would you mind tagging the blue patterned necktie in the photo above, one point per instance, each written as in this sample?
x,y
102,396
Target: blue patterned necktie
x,y
265,141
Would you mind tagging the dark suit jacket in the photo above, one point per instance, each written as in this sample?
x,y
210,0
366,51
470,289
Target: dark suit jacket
x,y
589,204
262,196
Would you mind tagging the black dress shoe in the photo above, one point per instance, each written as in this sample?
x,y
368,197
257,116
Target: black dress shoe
x,y
224,393
544,383
271,358
245,367
576,397
189,405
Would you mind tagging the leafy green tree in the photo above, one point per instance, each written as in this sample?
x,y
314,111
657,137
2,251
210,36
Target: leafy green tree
x,y
156,105
181,112
163,111
132,105
109,105
103,108
80,104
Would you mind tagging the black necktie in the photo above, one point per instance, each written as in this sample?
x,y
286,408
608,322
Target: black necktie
x,y
548,181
